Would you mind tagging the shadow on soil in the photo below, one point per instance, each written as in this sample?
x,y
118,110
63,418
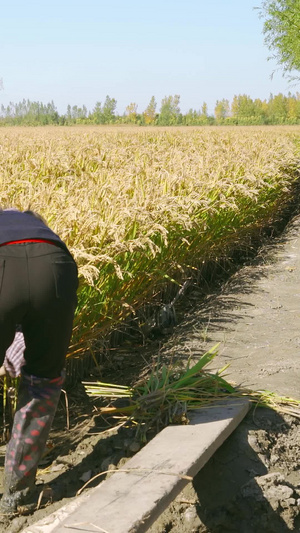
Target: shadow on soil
x,y
244,487
236,502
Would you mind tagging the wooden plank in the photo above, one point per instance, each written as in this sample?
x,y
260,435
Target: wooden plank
x,y
129,502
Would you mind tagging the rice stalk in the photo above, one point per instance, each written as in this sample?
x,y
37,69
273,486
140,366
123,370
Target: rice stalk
x,y
170,392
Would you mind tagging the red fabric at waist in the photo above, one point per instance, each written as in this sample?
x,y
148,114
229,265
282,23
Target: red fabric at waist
x,y
29,240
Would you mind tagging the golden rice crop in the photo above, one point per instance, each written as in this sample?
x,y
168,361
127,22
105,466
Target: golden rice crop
x,y
139,207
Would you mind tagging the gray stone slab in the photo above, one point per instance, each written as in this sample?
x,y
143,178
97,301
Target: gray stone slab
x,y
129,502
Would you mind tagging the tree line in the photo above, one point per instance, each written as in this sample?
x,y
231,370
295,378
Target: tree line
x,y
281,28
242,110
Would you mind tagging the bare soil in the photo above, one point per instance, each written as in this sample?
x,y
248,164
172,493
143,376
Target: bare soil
x,y
252,483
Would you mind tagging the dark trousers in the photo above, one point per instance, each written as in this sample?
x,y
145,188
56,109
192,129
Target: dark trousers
x,y
38,283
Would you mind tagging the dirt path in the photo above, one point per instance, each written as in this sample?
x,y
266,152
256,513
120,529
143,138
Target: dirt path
x,y
252,484
255,318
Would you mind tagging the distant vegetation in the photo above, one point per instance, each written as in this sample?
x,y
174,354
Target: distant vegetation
x,y
243,110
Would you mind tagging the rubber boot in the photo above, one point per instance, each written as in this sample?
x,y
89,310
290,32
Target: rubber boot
x,y
36,407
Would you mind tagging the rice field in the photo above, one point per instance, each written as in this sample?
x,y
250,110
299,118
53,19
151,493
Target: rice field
x,y
142,207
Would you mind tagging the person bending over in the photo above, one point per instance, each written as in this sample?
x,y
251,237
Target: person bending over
x,y
38,284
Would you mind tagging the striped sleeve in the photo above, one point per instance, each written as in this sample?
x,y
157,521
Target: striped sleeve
x,y
14,357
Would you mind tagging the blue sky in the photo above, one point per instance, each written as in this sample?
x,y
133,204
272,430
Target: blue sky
x,y
78,51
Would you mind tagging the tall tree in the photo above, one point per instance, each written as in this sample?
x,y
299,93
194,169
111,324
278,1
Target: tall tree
x,y
242,106
221,109
108,110
69,113
277,108
260,109
293,107
97,113
131,112
150,112
282,30
169,111
204,110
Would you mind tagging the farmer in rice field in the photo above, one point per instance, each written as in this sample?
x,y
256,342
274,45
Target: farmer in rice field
x,y
38,283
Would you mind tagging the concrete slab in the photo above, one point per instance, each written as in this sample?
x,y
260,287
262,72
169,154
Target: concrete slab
x,y
129,502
